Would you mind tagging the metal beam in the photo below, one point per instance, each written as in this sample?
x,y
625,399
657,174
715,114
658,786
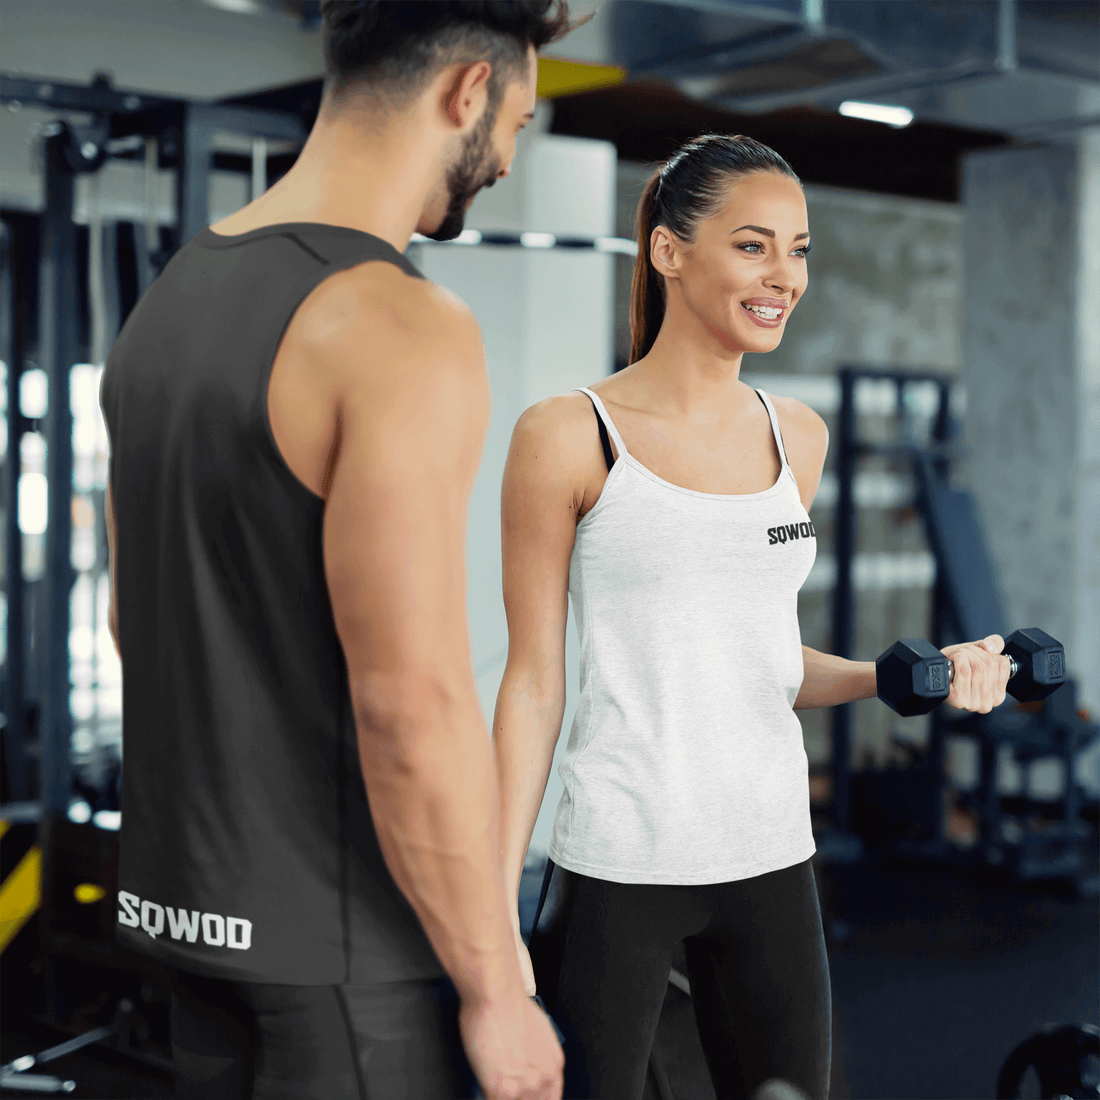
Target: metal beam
x,y
843,612
97,98
23,260
59,350
1005,60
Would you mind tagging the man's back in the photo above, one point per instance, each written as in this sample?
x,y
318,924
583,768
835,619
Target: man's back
x,y
248,849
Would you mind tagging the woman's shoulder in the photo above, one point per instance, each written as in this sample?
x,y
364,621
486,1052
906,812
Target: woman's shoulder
x,y
806,441
563,414
556,450
800,424
562,427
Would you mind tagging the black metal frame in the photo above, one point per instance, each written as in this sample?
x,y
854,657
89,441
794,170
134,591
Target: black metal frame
x,y
850,448
23,259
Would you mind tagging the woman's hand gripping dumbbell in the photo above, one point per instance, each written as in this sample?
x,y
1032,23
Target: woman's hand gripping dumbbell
x,y
913,676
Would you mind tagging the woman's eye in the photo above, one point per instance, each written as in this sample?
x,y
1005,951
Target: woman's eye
x,y
755,247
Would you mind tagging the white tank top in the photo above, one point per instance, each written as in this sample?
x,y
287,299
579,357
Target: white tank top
x,y
685,762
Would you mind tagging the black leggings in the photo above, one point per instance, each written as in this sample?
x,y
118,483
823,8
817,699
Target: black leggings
x,y
757,966
242,1040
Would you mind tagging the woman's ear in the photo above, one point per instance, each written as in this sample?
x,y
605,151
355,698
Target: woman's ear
x,y
663,252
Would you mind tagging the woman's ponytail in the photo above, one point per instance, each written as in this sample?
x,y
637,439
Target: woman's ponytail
x,y
647,300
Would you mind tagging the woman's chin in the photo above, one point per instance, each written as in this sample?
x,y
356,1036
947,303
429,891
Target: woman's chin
x,y
763,342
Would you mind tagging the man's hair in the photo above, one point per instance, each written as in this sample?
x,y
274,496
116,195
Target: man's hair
x,y
395,48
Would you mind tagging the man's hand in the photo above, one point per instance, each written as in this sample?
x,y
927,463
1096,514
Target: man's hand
x,y
981,674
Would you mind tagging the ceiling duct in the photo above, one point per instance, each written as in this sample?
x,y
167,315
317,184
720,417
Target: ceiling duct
x,y
1014,66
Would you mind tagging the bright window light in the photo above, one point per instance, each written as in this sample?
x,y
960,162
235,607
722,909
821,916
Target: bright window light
x,y
33,504
243,7
877,112
537,240
34,393
80,812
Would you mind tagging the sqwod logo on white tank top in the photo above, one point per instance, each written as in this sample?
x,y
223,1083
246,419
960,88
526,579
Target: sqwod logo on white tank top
x,y
217,931
789,532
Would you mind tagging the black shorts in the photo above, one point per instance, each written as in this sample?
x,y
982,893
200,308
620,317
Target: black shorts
x,y
393,1041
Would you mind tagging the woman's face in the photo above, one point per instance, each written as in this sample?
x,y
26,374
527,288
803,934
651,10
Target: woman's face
x,y
747,268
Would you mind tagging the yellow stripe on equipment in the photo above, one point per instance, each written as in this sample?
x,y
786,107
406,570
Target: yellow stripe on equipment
x,y
558,78
87,893
20,895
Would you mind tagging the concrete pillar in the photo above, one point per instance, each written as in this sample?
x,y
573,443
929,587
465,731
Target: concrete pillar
x,y
1031,341
1087,580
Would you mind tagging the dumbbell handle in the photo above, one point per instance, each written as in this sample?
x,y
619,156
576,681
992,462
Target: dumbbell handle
x,y
1013,668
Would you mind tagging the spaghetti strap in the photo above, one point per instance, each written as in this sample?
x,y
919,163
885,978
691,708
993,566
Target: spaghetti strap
x,y
775,429
605,442
602,413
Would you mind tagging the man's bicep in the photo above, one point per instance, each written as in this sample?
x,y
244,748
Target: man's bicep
x,y
395,529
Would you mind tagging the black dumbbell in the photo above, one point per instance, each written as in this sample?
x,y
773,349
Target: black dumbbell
x,y
913,676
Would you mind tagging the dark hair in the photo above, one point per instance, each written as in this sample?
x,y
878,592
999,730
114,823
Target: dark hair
x,y
396,47
690,187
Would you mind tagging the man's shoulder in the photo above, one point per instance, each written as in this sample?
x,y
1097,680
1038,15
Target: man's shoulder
x,y
378,304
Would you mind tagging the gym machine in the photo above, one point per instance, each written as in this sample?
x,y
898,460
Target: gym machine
x,y
966,604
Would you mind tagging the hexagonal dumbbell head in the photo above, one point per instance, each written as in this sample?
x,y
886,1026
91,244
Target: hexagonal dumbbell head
x,y
1041,661
911,677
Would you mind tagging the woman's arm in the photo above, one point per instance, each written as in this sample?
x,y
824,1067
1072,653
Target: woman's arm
x,y
828,681
539,504
981,673
981,677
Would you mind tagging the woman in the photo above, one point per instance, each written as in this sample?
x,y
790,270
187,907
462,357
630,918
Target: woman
x,y
685,815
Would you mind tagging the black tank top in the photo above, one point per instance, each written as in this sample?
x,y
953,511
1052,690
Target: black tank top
x,y
248,851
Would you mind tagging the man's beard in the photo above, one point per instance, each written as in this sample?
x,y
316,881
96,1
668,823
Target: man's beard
x,y
476,168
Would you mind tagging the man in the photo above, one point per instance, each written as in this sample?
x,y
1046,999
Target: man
x,y
296,419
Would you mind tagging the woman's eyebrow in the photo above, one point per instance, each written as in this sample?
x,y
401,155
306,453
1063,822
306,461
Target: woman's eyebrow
x,y
766,232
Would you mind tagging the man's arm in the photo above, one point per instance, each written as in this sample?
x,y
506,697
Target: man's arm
x,y
412,412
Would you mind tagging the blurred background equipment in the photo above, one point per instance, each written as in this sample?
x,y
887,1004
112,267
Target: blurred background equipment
x,y
1066,1059
967,604
950,338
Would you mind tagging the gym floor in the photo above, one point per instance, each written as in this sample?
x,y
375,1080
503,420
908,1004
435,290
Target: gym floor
x,y
939,977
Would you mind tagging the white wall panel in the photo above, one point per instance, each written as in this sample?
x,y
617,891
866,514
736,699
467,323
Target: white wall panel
x,y
546,317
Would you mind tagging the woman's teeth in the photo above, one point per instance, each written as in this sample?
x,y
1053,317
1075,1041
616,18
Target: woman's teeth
x,y
767,312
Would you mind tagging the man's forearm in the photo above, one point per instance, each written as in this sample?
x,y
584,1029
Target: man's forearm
x,y
828,681
434,800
